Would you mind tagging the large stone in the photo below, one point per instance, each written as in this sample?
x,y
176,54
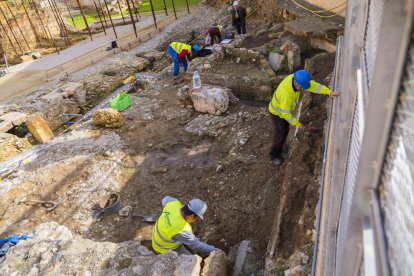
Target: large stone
x,y
39,128
211,99
72,88
108,117
16,118
5,126
215,264
292,51
52,96
244,258
276,61
11,145
295,271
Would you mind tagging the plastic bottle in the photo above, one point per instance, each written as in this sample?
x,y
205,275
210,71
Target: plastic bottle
x,y
196,80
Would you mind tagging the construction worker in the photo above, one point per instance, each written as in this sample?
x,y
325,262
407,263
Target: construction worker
x,y
214,34
284,102
180,52
173,229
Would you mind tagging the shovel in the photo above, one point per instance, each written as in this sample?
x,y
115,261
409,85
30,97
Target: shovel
x,y
147,217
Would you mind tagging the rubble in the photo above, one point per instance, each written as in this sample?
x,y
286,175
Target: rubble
x,y
39,128
11,145
54,249
71,88
210,99
108,117
276,60
292,51
242,257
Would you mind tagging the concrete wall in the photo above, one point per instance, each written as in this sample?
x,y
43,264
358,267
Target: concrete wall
x,y
328,4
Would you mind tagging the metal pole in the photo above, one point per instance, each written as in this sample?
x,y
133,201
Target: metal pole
x,y
32,25
7,63
110,18
48,36
100,18
84,19
8,37
165,7
175,14
70,14
188,7
120,10
153,14
135,10
55,14
17,24
61,20
103,14
132,18
13,34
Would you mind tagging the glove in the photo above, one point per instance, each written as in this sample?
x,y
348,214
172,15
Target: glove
x,y
311,128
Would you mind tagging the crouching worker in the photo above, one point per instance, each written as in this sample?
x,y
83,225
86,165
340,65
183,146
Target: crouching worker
x,y
180,52
173,229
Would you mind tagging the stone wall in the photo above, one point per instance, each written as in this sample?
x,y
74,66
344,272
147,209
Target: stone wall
x,y
24,23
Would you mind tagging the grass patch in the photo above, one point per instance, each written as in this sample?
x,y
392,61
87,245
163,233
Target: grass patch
x,y
159,4
79,22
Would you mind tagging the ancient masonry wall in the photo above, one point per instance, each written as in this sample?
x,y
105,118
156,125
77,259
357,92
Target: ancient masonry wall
x,y
24,23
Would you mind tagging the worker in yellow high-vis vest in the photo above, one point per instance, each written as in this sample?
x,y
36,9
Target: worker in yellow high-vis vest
x,y
181,54
173,229
284,102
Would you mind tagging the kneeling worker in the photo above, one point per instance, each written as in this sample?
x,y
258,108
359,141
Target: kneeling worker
x,y
173,229
180,52
284,102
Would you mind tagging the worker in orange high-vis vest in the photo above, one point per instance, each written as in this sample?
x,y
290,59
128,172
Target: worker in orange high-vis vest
x,y
180,52
173,229
284,102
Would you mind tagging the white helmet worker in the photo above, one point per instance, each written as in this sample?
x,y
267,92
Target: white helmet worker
x,y
235,3
198,207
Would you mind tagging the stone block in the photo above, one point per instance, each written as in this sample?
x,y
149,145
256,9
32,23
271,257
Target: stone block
x,y
72,88
39,128
16,118
5,126
215,264
52,96
211,99
108,117
276,60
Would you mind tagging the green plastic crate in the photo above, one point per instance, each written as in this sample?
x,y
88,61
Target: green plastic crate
x,y
121,102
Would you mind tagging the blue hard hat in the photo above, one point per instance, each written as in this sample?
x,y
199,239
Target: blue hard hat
x,y
196,48
198,207
303,78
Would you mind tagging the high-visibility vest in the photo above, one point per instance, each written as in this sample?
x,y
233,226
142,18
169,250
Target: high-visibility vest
x,y
178,47
285,99
169,224
220,27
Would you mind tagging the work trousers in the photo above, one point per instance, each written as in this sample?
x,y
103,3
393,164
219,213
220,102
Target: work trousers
x,y
280,132
240,26
215,35
174,56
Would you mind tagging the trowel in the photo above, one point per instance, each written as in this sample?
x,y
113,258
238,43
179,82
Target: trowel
x,y
147,217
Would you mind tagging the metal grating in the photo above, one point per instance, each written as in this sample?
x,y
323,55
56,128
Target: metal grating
x,y
397,185
375,11
349,185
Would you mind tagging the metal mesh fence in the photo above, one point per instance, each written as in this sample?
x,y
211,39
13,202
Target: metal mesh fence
x,y
349,185
375,11
397,185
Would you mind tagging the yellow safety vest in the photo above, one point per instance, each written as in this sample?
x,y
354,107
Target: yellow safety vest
x,y
220,27
178,47
285,99
169,224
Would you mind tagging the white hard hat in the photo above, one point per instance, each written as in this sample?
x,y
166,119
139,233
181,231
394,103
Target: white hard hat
x,y
235,3
197,206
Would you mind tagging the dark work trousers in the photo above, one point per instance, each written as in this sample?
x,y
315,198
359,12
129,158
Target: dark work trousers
x,y
240,26
215,35
280,132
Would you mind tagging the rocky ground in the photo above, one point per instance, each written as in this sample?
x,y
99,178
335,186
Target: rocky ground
x,y
166,147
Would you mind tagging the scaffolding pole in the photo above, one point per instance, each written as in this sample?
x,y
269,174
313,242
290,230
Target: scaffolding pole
x,y
110,18
48,35
13,34
18,25
61,20
165,7
120,10
8,37
99,15
135,10
84,19
175,13
132,18
153,14
103,14
32,25
70,13
55,15
188,7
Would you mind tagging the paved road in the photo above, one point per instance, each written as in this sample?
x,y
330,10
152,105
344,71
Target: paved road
x,y
25,77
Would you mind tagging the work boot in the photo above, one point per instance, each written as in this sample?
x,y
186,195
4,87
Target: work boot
x,y
277,161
